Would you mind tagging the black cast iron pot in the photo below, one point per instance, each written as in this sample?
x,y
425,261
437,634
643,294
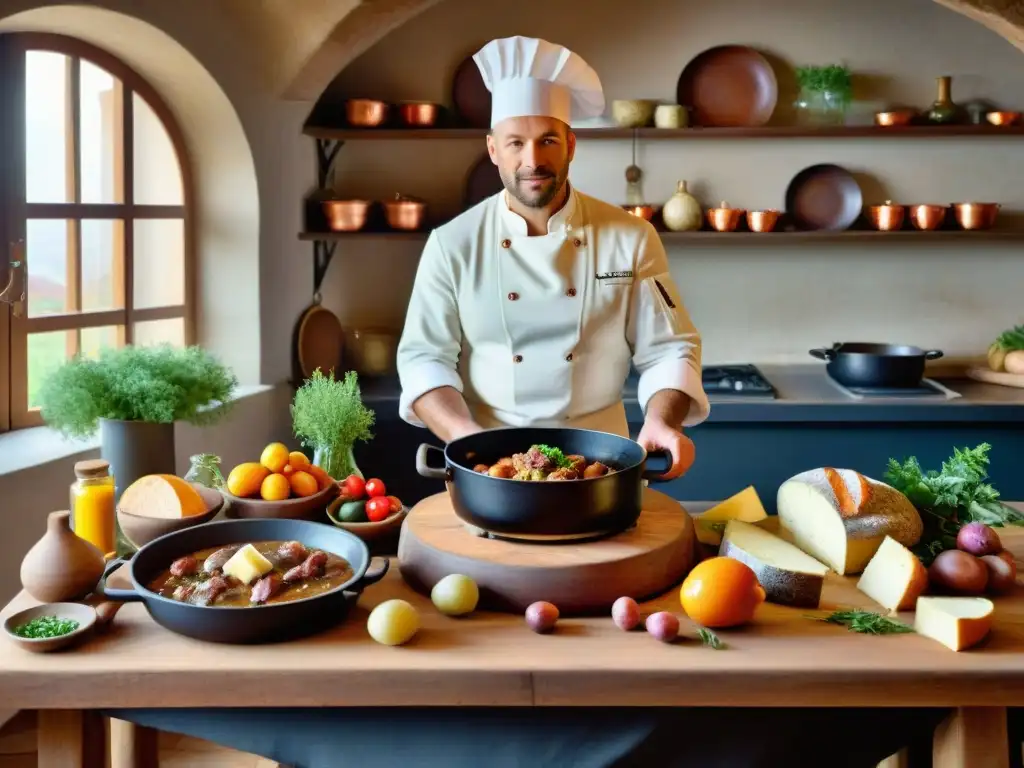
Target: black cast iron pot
x,y
253,624
609,503
860,364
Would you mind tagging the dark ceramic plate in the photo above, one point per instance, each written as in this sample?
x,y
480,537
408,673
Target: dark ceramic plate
x,y
470,96
482,182
729,86
824,196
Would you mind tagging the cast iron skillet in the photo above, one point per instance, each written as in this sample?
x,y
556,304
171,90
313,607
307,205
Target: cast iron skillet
x,y
610,503
255,624
861,364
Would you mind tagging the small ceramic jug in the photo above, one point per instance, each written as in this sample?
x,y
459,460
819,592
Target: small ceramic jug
x,y
61,566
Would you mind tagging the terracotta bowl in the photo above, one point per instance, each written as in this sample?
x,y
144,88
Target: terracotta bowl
x,y
85,615
141,530
370,531
305,508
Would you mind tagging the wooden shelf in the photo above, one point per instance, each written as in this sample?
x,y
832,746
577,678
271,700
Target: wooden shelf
x,y
709,237
767,132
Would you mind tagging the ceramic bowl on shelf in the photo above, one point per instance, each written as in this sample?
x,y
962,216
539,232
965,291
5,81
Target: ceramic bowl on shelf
x,y
633,113
302,508
365,113
85,615
140,530
895,117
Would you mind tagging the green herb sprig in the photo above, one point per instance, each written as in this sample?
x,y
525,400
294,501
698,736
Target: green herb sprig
x,y
555,455
865,622
46,626
156,384
833,78
1011,339
951,497
329,413
710,639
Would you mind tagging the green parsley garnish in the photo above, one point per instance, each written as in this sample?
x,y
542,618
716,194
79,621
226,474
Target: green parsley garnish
x,y
865,622
710,639
46,626
555,455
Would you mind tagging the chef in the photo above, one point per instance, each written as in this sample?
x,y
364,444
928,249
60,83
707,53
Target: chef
x,y
528,308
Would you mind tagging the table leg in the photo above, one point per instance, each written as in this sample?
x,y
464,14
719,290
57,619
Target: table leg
x,y
68,738
133,746
972,737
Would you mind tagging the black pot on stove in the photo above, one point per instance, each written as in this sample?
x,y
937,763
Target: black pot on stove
x,y
863,364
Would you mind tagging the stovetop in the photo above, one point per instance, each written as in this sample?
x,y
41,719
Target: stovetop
x,y
736,381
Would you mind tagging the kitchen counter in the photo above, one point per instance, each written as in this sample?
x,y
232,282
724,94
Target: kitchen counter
x,y
805,394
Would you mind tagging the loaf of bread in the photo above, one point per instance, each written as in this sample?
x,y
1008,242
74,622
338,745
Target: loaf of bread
x,y
841,517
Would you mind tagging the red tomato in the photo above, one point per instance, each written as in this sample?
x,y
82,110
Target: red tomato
x,y
396,504
378,508
354,487
375,487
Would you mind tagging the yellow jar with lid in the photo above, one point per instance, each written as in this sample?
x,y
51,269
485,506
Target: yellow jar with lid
x,y
93,515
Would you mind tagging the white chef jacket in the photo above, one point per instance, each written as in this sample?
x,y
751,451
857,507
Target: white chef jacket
x,y
540,331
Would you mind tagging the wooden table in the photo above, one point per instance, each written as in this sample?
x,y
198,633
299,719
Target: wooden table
x,y
494,660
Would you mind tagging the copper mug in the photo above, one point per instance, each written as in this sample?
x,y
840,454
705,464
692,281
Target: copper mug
x,y
974,216
928,217
724,219
888,217
763,221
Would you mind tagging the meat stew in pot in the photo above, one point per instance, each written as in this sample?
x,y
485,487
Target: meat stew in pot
x,y
542,462
257,573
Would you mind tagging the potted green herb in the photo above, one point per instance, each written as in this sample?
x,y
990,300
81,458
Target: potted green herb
x,y
825,93
328,416
134,395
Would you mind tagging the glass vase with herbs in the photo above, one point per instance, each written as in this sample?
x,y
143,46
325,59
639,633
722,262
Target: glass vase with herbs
x,y
328,416
825,94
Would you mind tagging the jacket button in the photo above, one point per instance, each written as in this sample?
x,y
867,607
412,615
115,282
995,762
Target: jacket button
x,y
577,242
568,358
517,358
506,243
513,296
571,292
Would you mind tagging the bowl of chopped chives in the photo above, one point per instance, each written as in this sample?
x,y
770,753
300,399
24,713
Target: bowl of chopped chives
x,y
51,626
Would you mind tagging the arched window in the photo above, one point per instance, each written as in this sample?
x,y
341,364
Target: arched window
x,y
96,197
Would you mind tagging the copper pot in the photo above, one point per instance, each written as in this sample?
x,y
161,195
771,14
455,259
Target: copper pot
x,y
724,218
365,113
346,215
645,212
888,217
1003,118
763,221
895,117
928,217
418,114
976,215
405,213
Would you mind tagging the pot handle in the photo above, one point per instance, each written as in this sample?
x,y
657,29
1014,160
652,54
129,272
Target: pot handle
x,y
372,576
656,475
112,593
932,354
828,355
434,473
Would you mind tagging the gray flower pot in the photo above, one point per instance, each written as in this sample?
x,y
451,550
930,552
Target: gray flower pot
x,y
135,449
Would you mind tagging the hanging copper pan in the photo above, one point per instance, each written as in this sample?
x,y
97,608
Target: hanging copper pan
x,y
729,86
319,340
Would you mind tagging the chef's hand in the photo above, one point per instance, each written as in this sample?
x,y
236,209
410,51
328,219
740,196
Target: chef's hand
x,y
656,433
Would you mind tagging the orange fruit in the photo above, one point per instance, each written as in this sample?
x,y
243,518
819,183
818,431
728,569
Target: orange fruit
x,y
274,457
297,460
322,478
288,469
275,488
245,479
303,483
721,592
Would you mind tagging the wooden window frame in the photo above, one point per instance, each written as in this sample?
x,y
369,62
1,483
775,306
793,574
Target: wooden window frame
x,y
14,329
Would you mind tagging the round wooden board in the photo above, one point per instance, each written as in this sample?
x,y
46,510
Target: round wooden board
x,y
579,578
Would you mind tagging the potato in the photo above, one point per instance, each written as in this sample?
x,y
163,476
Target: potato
x,y
626,613
978,539
1002,574
541,616
455,595
393,622
1014,361
663,625
959,572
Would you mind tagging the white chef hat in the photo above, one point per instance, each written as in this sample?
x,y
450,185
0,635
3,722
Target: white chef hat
x,y
528,76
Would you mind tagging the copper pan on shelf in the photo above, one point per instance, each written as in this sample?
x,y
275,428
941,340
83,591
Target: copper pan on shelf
x,y
346,215
927,216
365,113
974,216
888,217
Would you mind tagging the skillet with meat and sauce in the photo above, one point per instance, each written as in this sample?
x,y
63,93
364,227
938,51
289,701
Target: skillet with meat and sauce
x,y
296,572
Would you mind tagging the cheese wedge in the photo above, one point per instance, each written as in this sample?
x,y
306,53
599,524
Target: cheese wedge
x,y
745,505
247,565
841,517
787,574
167,497
956,622
895,577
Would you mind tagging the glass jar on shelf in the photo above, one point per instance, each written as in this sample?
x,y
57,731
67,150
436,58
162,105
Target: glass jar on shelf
x,y
93,512
205,470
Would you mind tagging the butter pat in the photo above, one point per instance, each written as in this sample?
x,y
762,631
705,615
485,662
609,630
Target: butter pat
x,y
895,577
247,565
787,574
745,506
956,622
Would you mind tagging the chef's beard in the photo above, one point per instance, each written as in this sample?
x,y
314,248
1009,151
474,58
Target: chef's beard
x,y
539,198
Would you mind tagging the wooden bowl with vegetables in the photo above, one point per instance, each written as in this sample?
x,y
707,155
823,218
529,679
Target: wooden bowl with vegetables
x,y
282,485
365,509
155,505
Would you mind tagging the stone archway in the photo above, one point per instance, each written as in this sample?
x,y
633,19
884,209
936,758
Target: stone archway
x,y
370,21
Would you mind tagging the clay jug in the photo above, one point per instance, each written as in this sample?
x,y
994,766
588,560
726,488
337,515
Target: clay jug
x,y
682,212
61,566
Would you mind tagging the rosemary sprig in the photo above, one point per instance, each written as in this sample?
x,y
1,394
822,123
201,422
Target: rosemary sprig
x,y
865,622
710,639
